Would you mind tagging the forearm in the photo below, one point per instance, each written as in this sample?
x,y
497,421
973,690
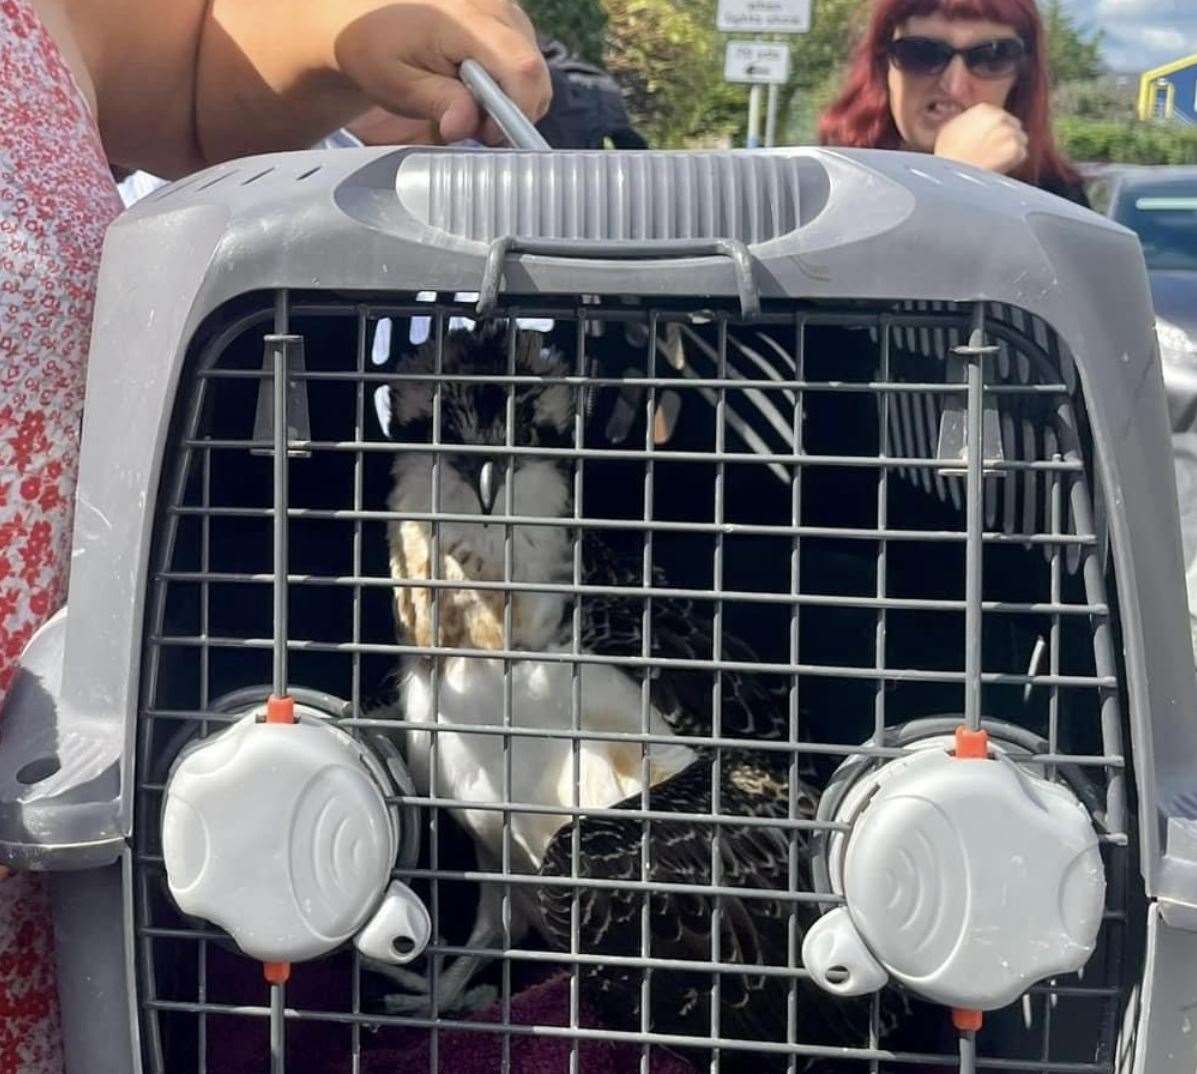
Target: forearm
x,y
283,73
181,84
265,79
141,63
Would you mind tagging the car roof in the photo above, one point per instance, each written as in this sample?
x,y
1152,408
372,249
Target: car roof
x,y
1134,174
1115,179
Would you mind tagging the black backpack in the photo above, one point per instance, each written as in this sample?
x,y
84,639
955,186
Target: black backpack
x,y
587,110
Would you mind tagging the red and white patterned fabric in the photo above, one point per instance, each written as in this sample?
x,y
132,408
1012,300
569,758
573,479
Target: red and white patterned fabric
x,y
56,199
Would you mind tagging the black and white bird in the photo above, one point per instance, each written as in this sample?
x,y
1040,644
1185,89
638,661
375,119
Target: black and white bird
x,y
693,793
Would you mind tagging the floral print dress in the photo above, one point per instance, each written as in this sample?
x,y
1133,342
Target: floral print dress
x,y
56,200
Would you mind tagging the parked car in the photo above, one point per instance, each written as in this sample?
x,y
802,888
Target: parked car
x,y
1160,205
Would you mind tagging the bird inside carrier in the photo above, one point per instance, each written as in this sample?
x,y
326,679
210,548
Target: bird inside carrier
x,y
668,613
707,646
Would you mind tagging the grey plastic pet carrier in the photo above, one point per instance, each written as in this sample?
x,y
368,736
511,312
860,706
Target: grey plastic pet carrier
x,y
617,611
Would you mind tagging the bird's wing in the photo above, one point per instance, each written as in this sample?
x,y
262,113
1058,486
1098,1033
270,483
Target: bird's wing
x,y
692,925
752,705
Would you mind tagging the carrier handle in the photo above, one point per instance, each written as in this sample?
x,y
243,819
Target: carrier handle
x,y
619,250
516,126
521,133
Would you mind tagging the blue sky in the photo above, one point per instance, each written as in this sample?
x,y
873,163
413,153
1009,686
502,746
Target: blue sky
x,y
1140,34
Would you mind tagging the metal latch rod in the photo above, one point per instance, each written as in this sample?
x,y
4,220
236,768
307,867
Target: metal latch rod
x,y
619,250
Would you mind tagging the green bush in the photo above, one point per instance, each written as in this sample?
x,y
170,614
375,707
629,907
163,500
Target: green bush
x,y
668,60
1072,53
1110,97
1127,142
581,24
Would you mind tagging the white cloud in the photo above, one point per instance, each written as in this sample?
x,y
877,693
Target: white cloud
x,y
1145,9
1163,38
1139,34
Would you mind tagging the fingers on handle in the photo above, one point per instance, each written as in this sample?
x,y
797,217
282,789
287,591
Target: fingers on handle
x,y
446,102
520,70
418,78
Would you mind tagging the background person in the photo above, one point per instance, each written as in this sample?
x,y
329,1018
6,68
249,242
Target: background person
x,y
963,79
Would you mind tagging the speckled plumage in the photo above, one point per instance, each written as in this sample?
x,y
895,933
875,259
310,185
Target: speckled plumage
x,y
688,778
727,782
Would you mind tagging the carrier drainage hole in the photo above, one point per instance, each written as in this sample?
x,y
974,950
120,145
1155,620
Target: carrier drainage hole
x,y
36,771
838,975
403,946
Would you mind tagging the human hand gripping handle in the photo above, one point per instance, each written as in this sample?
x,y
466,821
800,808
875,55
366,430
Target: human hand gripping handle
x,y
406,56
985,136
517,128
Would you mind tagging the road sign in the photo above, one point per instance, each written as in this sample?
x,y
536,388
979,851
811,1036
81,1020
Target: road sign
x,y
756,61
763,16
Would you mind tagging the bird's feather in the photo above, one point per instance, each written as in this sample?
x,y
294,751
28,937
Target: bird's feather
x,y
751,705
696,926
673,683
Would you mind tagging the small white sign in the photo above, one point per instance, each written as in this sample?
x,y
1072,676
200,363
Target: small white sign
x,y
764,16
756,61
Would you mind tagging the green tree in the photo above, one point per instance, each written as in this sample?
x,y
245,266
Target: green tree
x,y
581,24
1110,98
1096,140
668,59
817,62
1072,53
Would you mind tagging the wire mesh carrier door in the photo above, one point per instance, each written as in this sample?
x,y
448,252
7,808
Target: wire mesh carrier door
x,y
638,583
697,653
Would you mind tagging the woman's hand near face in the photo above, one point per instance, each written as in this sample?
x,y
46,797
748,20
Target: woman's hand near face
x,y
985,136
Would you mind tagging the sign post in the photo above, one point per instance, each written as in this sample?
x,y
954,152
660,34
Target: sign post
x,y
754,117
761,62
758,63
771,116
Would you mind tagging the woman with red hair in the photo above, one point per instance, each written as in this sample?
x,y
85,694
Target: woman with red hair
x,y
964,79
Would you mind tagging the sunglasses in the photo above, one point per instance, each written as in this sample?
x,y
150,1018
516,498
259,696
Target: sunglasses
x,y
999,58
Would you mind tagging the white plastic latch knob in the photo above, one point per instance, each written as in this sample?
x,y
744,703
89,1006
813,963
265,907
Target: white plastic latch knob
x,y
966,880
399,930
280,834
837,959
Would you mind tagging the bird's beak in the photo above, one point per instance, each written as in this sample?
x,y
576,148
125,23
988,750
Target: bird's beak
x,y
487,487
